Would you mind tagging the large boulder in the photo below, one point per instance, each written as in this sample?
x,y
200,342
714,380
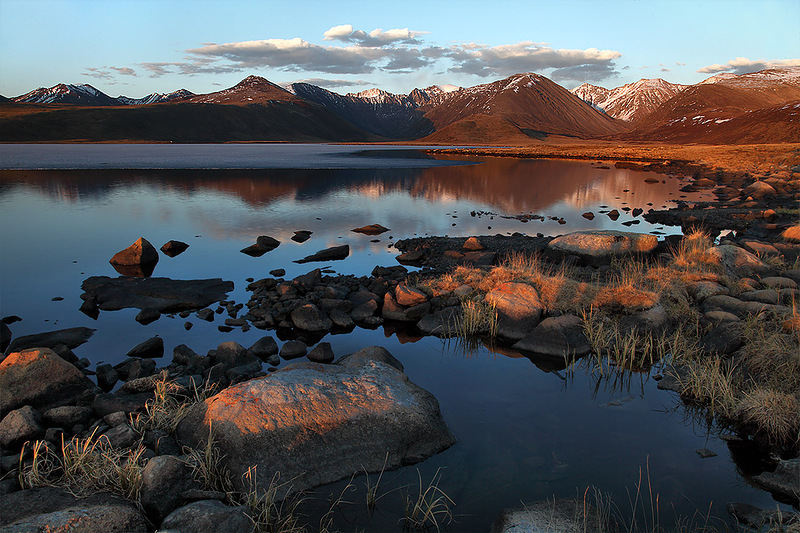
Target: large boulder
x,y
70,337
39,378
53,509
518,308
600,246
308,317
784,481
342,418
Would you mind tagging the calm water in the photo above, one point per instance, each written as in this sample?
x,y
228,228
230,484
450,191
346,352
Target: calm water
x,y
524,432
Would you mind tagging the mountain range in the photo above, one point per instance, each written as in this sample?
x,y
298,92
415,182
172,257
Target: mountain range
x,y
751,108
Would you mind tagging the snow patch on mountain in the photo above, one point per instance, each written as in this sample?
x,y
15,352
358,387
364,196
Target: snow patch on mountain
x,y
631,101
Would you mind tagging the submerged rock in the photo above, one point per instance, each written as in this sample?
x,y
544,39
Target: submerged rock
x,y
372,229
163,294
550,516
335,253
344,418
70,337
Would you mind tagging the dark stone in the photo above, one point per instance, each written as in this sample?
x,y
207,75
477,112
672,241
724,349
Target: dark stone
x,y
182,354
164,479
309,318
309,280
151,348
441,322
121,436
67,416
233,354
278,272
166,295
161,442
70,337
5,336
147,316
336,253
301,235
205,314
54,509
293,350
371,353
264,348
173,248
107,377
364,311
322,353
207,516
21,425
783,482
107,403
724,339
560,336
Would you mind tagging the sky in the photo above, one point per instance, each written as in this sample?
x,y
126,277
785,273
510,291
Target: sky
x,y
138,47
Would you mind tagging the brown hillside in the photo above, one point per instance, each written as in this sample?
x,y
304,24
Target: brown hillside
x,y
478,129
528,101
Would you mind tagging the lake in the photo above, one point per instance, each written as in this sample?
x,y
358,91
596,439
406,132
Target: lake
x,y
525,432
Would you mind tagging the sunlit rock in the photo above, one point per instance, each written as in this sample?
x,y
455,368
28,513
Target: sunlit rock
x,y
139,257
599,247
40,378
738,261
518,308
315,423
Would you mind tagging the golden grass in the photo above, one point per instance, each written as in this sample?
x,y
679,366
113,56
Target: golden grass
x,y
85,466
169,405
430,507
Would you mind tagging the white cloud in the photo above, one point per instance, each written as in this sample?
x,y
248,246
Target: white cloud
x,y
742,65
375,38
528,56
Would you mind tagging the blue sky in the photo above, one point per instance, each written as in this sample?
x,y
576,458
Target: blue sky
x,y
136,47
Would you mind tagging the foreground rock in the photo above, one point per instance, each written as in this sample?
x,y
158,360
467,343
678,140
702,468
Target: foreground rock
x,y
39,378
161,294
558,336
70,337
207,516
336,253
342,418
52,509
599,247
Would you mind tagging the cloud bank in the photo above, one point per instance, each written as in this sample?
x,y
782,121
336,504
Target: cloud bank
x,y
395,51
742,65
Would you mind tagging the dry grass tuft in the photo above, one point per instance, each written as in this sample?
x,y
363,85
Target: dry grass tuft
x,y
85,466
774,414
713,384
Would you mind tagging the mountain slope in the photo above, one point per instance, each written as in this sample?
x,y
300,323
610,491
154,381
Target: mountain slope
x,y
706,111
156,98
67,94
397,116
630,102
530,102
251,90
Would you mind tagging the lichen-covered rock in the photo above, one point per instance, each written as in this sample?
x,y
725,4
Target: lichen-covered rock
x,y
342,419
